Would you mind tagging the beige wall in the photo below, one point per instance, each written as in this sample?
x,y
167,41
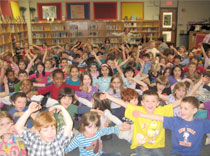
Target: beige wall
x,y
188,10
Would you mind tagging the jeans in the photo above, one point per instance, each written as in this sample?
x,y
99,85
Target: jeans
x,y
142,151
111,154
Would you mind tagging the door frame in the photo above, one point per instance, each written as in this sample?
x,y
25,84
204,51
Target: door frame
x,y
161,19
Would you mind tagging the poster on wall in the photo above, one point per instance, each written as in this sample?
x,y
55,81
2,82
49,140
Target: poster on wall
x,y
167,20
49,11
77,12
167,36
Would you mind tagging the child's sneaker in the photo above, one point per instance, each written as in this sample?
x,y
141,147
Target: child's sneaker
x,y
207,141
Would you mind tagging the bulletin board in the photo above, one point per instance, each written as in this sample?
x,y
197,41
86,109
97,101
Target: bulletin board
x,y
78,11
41,7
132,8
15,9
105,10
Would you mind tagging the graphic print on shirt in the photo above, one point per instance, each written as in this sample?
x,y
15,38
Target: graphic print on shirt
x,y
186,133
151,131
96,146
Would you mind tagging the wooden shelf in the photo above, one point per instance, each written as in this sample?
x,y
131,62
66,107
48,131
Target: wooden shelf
x,y
97,31
11,33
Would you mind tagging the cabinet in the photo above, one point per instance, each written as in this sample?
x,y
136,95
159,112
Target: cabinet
x,y
11,33
96,31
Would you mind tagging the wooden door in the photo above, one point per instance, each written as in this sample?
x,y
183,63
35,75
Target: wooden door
x,y
168,25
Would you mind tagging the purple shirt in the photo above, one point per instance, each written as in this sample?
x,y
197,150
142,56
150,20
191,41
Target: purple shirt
x,y
86,95
207,107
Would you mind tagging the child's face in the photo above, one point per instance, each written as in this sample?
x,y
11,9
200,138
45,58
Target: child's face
x,y
48,65
129,74
116,83
134,101
150,102
206,80
181,50
22,76
5,123
58,79
11,76
177,72
93,68
40,68
192,68
146,59
26,86
194,61
20,103
66,101
160,87
22,66
176,61
86,80
91,130
48,134
167,73
64,63
85,56
163,61
180,93
187,111
104,71
74,72
111,63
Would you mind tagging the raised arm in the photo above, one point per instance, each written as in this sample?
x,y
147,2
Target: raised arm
x,y
33,107
116,100
196,86
67,118
138,114
96,57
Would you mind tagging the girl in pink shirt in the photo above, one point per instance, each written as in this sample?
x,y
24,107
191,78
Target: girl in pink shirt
x,y
40,76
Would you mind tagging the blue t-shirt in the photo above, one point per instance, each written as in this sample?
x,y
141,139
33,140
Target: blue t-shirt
x,y
147,67
13,111
187,136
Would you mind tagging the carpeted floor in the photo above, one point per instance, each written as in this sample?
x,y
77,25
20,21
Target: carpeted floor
x,y
116,145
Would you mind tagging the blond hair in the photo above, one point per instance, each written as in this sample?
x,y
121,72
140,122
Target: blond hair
x,y
163,80
179,85
43,120
5,114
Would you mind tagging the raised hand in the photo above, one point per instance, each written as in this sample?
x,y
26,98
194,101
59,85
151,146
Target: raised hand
x,y
34,106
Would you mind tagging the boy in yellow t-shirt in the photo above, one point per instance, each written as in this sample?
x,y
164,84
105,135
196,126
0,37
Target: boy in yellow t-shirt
x,y
148,135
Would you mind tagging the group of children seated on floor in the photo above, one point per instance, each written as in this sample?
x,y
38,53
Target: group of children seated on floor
x,y
140,89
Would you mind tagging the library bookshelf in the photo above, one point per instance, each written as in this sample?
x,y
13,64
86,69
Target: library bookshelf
x,y
11,32
60,32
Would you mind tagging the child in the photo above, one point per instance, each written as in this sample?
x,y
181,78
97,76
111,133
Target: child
x,y
94,70
22,75
187,132
10,144
88,141
177,74
86,91
19,101
53,89
103,81
40,76
116,86
74,79
206,56
148,135
12,81
66,98
45,140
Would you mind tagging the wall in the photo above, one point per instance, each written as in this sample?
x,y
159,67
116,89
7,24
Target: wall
x,y
188,10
